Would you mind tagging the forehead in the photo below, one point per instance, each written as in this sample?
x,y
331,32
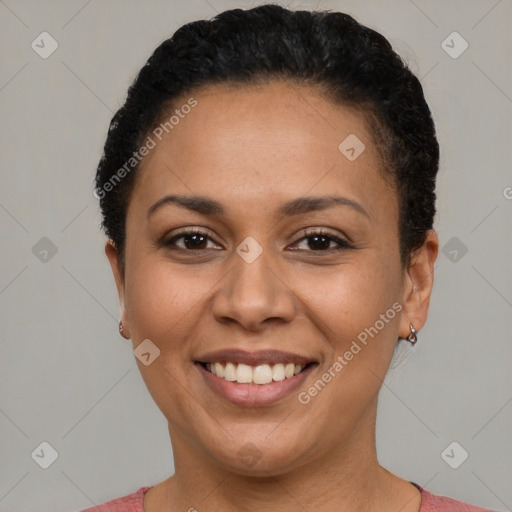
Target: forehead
x,y
263,142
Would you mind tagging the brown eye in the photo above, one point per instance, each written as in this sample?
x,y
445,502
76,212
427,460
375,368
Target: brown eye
x,y
190,240
321,241
195,241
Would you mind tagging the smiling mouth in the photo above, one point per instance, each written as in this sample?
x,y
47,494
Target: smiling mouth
x,y
260,374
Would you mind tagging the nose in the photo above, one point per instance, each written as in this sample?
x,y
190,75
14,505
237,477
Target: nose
x,y
254,295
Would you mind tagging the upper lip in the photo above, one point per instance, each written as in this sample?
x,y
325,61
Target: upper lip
x,y
253,358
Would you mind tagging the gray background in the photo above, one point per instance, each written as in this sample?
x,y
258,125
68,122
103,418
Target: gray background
x,y
69,379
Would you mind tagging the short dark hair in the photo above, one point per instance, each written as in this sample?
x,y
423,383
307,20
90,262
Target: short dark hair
x,y
353,65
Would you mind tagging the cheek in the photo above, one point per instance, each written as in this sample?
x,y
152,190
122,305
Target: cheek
x,y
355,312
160,297
162,303
357,307
351,298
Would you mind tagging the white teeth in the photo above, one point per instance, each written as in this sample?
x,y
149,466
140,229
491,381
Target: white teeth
x,y
278,372
261,374
230,372
219,370
243,374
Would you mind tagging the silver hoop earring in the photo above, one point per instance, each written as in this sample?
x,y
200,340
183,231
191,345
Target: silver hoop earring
x,y
121,331
412,338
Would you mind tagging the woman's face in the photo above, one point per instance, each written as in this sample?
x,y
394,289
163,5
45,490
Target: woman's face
x,y
267,165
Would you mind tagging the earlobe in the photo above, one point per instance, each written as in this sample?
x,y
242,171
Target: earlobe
x,y
419,281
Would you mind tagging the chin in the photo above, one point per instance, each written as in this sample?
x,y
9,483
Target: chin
x,y
261,456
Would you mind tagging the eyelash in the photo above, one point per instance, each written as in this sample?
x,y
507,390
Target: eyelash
x,y
342,244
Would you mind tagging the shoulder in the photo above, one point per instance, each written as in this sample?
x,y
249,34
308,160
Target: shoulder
x,y
434,503
129,503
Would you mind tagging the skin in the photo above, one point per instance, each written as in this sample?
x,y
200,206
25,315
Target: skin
x,y
253,148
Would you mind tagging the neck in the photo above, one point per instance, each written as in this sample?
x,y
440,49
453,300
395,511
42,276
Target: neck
x,y
347,478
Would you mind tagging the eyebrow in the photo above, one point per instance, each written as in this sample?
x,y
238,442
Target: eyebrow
x,y
301,205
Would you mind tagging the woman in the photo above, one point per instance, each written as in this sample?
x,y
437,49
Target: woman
x,y
268,194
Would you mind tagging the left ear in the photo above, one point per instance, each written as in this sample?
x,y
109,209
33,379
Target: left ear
x,y
418,285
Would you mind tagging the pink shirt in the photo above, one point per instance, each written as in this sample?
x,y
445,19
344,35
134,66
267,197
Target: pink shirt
x,y
429,503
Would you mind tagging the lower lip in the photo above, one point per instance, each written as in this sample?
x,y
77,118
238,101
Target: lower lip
x,y
250,395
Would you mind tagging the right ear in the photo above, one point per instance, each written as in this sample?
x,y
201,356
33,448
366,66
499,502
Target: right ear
x,y
113,258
